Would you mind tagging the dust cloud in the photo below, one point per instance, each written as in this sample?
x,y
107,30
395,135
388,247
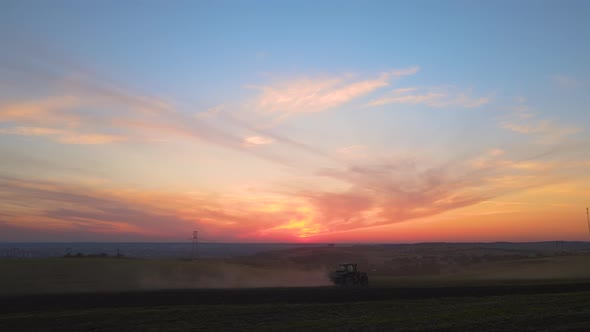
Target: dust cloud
x,y
233,276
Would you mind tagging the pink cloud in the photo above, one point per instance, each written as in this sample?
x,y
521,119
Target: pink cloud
x,y
257,140
316,95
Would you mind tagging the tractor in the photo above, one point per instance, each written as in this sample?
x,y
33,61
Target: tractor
x,y
346,275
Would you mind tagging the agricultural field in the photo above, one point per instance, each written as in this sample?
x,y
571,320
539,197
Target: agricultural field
x,y
525,312
504,289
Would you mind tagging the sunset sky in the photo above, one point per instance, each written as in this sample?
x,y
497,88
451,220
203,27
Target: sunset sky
x,y
303,121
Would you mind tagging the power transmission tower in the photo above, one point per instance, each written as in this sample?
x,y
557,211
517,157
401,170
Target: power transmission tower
x,y
195,249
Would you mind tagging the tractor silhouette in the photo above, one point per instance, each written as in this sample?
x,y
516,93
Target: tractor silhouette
x,y
347,275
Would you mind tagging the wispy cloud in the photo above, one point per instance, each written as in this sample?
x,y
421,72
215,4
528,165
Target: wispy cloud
x,y
397,191
547,128
388,191
78,106
495,159
525,121
316,95
49,110
99,214
433,97
52,206
353,151
565,81
211,112
63,136
257,140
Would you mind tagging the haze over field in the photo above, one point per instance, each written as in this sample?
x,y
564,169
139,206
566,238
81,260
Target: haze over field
x,y
258,121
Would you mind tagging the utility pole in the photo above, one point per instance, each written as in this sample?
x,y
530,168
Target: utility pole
x,y
195,249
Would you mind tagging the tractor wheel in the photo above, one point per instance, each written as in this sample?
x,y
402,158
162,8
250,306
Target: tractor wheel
x,y
365,281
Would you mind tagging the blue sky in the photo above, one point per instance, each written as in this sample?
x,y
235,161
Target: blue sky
x,y
203,42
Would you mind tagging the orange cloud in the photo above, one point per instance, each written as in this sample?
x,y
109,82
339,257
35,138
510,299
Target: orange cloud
x,y
43,111
62,135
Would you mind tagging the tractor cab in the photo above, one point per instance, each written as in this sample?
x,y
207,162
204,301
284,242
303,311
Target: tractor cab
x,y
346,268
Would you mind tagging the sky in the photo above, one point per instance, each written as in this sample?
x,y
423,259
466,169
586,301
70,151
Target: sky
x,y
294,121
